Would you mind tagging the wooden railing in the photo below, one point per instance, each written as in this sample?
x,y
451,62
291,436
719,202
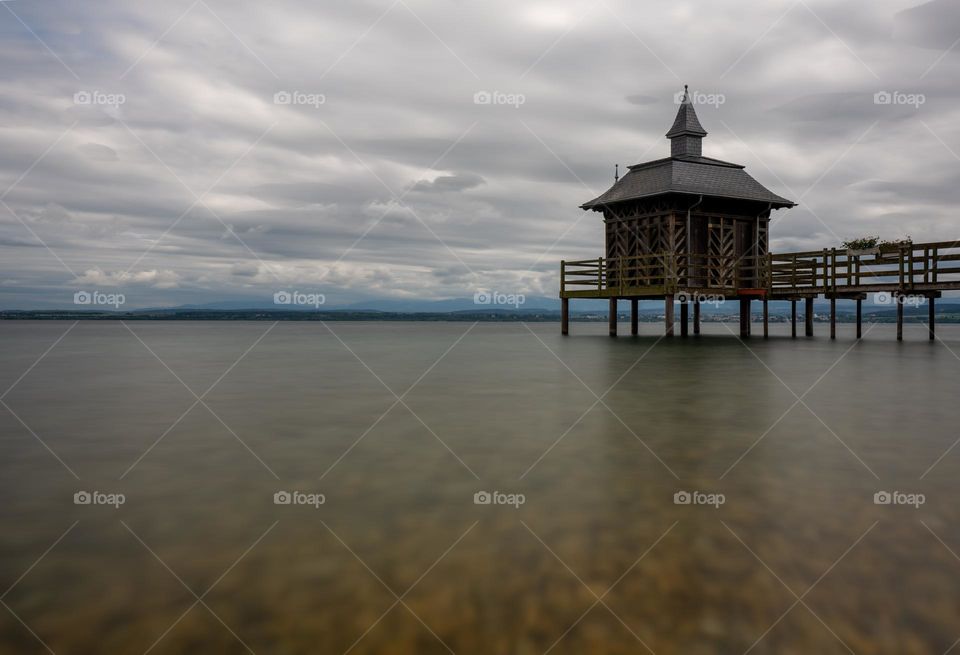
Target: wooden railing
x,y
910,267
916,266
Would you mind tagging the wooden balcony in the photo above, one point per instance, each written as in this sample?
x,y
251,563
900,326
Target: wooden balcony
x,y
915,269
910,269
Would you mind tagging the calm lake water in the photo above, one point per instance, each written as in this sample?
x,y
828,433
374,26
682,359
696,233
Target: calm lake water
x,y
399,559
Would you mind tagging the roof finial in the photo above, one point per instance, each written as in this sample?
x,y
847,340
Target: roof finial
x,y
616,172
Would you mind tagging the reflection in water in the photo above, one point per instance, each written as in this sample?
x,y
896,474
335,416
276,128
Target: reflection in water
x,y
498,413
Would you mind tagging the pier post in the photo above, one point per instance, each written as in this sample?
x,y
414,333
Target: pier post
x,y
766,318
668,315
932,318
899,301
696,318
859,318
634,309
744,316
564,316
612,317
793,318
808,315
683,318
833,317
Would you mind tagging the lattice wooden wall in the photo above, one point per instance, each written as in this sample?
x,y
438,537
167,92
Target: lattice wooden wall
x,y
658,226
721,242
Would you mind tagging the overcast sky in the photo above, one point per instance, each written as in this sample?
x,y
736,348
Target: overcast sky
x,y
144,148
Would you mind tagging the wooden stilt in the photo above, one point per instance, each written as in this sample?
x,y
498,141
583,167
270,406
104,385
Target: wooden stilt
x,y
808,316
766,318
696,318
612,317
564,316
833,318
744,317
859,318
793,318
899,301
634,317
668,315
932,318
684,309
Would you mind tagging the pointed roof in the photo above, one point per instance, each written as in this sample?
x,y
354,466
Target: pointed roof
x,y
687,172
686,122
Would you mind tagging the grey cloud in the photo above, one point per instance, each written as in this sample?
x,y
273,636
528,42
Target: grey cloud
x,y
496,184
300,194
245,269
98,152
934,25
642,100
444,183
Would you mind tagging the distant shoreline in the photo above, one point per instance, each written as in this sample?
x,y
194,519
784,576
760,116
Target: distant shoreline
x,y
947,314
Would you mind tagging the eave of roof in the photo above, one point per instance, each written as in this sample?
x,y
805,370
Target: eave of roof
x,y
691,176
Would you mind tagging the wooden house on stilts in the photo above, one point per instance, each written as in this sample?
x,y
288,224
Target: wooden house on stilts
x,y
688,226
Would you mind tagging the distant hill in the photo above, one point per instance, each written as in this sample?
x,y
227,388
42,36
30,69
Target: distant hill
x,y
460,309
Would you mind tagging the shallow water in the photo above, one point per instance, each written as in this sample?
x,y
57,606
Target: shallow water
x,y
505,407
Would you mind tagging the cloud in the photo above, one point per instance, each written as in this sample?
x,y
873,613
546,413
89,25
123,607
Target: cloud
x,y
167,279
199,186
444,183
98,152
641,100
934,25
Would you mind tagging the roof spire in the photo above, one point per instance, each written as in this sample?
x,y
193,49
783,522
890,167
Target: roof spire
x,y
686,133
616,172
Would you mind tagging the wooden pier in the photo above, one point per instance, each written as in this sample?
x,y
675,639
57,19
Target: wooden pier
x,y
900,273
689,228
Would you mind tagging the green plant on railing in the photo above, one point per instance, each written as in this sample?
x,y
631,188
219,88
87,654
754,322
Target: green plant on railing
x,y
868,242
905,241
863,243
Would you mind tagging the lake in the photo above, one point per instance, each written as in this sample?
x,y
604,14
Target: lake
x,y
235,487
